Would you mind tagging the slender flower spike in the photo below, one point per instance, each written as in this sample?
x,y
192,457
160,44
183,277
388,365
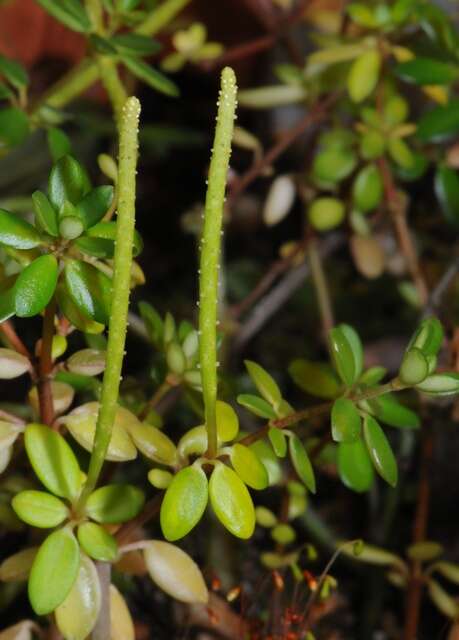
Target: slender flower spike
x,y
128,150
210,251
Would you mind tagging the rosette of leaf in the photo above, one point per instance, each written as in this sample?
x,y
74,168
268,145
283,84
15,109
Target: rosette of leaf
x,y
67,252
360,402
191,45
129,435
427,556
178,345
61,573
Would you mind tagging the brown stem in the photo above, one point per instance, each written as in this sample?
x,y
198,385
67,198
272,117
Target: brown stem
x,y
313,117
397,210
239,52
160,392
415,586
15,342
276,269
45,366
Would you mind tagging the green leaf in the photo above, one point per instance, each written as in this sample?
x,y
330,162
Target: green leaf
x,y
13,72
17,233
428,337
97,542
447,191
448,570
7,308
153,322
151,76
231,501
256,405
107,230
367,189
373,376
424,551
134,44
248,467
90,290
354,466
278,442
175,572
316,378
54,571
414,368
97,247
227,421
45,214
81,423
35,286
440,384
345,421
153,443
59,143
67,181
387,409
69,12
442,600
94,205
269,460
73,314
53,461
14,126
264,382
343,356
363,75
380,451
184,503
439,124
39,509
326,213
356,346
302,463
426,71
77,615
115,503
334,164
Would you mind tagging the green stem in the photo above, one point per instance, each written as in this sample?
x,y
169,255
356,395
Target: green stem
x,y
86,73
210,251
112,85
120,294
321,409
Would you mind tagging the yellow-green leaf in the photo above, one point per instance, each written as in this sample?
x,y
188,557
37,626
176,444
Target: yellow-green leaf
x,y
231,501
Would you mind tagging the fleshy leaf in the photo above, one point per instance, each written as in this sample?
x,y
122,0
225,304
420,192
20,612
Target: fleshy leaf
x,y
184,503
231,502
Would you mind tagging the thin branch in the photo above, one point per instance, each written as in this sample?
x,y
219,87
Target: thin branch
x,y
397,210
150,511
318,113
437,294
321,287
15,342
45,366
277,297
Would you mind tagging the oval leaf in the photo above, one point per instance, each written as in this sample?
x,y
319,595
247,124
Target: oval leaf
x,y
354,466
90,290
248,467
97,542
39,509
380,451
115,503
184,503
231,502
54,571
345,420
302,463
53,461
35,286
77,615
17,233
175,572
